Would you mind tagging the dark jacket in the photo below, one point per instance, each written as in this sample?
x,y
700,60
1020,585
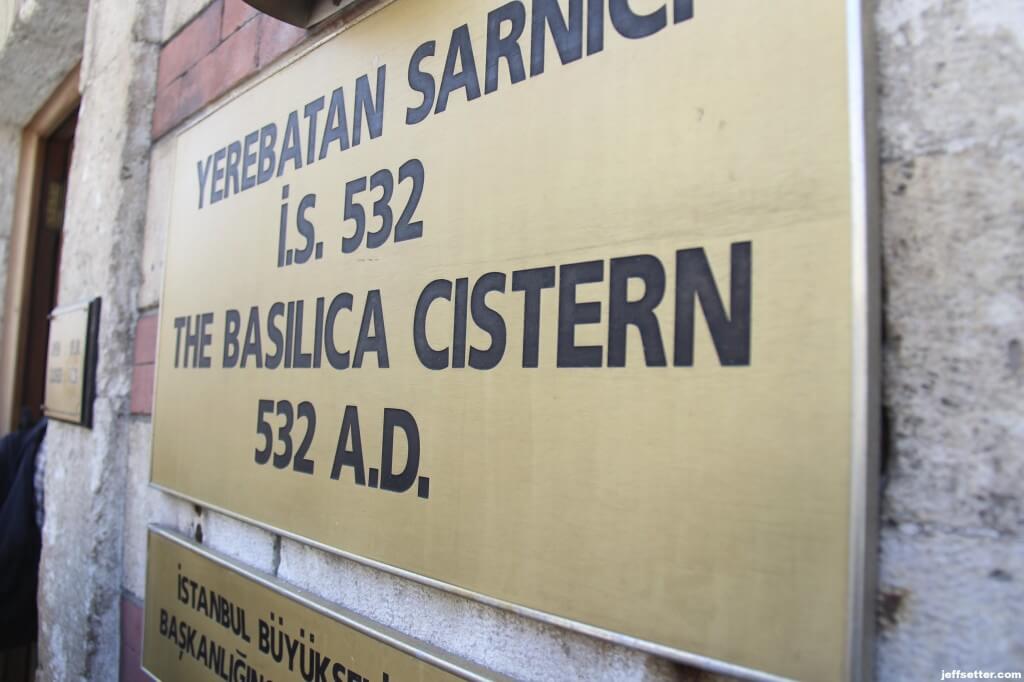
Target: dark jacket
x,y
20,540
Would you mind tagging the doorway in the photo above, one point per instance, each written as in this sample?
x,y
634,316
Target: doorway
x,y
45,267
34,254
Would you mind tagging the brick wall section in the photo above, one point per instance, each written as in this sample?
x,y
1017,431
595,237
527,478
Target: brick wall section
x,y
236,13
222,46
131,640
144,364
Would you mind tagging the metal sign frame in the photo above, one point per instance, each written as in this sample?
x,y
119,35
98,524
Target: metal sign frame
x,y
866,373
388,636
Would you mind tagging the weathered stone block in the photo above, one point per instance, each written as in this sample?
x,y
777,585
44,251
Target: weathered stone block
x,y
946,602
44,45
112,25
950,75
247,543
82,569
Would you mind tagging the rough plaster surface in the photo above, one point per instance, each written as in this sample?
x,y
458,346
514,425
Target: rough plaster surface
x,y
245,542
112,26
81,574
10,147
4,255
952,599
44,44
952,125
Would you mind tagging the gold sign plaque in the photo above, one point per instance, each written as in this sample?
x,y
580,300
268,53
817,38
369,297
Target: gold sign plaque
x,y
210,618
71,362
560,305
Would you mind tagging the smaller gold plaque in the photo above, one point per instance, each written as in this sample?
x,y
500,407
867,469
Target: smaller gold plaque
x,y
71,363
210,618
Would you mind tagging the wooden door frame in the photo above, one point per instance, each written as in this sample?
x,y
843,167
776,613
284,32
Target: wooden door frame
x,y
61,104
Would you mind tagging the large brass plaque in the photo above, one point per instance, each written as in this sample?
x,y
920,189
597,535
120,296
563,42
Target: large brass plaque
x,y
556,304
71,363
210,618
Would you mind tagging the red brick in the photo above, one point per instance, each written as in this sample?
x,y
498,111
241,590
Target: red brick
x,y
174,104
145,339
131,619
199,37
215,74
276,38
232,61
236,13
131,640
142,389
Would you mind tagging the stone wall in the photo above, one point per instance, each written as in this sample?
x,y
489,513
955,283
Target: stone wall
x,y
44,43
10,148
952,124
81,571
